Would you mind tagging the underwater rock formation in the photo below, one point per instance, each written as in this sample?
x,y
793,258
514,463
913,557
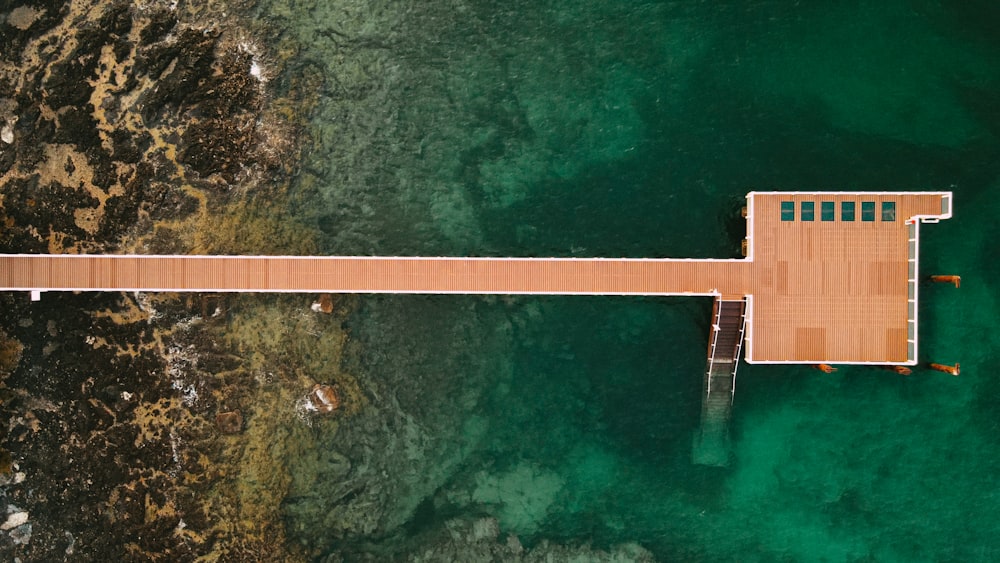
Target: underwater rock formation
x,y
111,115
481,540
324,304
229,422
323,399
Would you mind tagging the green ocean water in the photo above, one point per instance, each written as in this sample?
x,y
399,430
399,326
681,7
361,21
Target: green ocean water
x,y
635,129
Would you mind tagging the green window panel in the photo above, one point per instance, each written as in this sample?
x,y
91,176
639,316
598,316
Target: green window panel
x,y
867,210
888,210
808,211
788,211
847,211
826,210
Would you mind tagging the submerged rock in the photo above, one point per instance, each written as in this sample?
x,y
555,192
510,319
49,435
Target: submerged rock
x,y
481,540
324,304
229,422
14,520
21,535
323,399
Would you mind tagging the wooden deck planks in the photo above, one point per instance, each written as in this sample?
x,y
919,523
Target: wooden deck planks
x,y
374,275
848,278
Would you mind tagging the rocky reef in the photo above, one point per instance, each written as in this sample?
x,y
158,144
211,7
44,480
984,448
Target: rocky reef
x,y
480,539
130,126
118,116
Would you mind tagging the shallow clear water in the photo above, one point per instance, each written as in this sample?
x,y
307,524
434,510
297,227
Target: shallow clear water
x,y
635,129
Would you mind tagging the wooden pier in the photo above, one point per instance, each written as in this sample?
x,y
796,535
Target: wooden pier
x,y
829,278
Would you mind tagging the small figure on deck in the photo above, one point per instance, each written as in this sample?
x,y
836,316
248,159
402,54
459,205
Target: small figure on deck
x,y
825,368
954,370
957,280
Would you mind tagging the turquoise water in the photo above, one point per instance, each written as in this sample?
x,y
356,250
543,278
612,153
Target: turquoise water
x,y
635,129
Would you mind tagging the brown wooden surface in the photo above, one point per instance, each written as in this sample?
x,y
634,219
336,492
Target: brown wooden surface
x,y
371,275
836,291
822,291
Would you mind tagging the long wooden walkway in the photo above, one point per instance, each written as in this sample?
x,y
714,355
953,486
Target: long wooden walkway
x,y
339,274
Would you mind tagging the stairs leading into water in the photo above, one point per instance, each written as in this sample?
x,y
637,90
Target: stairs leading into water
x,y
711,443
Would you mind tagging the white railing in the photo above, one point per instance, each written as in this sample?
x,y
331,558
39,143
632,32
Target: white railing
x,y
716,329
748,325
913,268
739,348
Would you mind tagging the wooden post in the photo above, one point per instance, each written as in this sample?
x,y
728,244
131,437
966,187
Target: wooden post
x,y
957,280
954,370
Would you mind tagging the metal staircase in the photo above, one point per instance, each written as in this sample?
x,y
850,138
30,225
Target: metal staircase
x,y
711,444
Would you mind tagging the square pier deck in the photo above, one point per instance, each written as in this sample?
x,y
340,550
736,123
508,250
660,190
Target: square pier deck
x,y
834,277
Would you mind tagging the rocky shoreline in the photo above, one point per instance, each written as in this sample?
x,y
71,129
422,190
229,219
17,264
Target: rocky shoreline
x,y
133,127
